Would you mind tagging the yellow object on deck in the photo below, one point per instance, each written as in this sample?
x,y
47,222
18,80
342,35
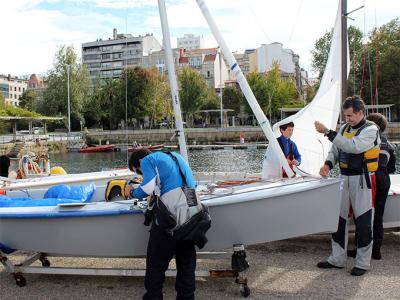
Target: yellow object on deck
x,y
57,171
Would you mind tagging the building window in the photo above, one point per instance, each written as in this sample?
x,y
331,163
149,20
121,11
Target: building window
x,y
208,73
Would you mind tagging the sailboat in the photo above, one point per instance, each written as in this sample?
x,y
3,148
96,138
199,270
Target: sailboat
x,y
252,212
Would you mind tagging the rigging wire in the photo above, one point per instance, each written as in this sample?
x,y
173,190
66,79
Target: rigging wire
x,y
295,23
259,24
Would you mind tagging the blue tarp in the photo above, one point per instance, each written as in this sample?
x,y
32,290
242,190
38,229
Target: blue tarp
x,y
55,195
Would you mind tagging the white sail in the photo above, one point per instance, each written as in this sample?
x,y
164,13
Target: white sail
x,y
325,107
244,86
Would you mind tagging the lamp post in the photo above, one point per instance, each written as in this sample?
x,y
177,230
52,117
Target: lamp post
x,y
69,104
220,86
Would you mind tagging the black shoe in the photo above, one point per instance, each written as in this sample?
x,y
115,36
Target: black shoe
x,y
352,253
327,265
376,254
357,271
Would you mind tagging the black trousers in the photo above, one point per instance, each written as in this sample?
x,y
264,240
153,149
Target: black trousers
x,y
382,190
161,249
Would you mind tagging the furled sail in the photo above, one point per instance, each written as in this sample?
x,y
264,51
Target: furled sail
x,y
325,107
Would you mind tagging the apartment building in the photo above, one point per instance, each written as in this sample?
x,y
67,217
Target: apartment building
x,y
247,61
108,58
12,88
190,42
37,84
205,61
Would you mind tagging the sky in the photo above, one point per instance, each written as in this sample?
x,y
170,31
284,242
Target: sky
x,y
32,30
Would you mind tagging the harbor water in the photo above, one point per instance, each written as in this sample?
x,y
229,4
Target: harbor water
x,y
227,160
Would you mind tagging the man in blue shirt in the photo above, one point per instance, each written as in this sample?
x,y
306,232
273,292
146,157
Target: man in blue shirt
x,y
161,176
288,147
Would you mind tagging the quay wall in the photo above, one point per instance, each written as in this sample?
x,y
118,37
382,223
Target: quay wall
x,y
42,147
199,136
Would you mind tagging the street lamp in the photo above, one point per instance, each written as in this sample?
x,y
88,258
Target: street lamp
x,y
220,85
69,104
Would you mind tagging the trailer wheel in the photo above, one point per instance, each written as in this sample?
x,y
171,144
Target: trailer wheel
x,y
45,262
244,290
20,280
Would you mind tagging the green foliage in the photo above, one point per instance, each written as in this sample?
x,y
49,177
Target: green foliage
x,y
193,91
137,94
28,99
271,90
15,111
2,100
387,40
231,99
55,97
213,100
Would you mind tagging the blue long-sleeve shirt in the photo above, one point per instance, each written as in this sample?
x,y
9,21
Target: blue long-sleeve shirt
x,y
159,169
285,142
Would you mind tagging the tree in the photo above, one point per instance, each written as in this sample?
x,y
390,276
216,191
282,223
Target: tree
x,y
55,100
2,100
231,99
193,92
385,40
28,99
271,90
321,52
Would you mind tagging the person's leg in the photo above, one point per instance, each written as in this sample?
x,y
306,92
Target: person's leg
x,y
339,238
383,185
160,250
363,212
186,265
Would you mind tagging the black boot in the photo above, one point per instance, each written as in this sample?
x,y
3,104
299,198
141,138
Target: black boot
x,y
357,271
376,254
352,253
327,265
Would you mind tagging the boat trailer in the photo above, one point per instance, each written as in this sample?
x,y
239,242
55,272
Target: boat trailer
x,y
239,264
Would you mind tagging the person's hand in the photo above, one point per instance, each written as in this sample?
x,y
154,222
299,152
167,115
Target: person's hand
x,y
321,128
324,171
128,189
295,162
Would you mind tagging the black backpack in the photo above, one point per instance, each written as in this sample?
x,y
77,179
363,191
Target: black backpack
x,y
194,229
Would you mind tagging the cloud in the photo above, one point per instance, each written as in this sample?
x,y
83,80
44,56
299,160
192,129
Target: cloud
x,y
36,27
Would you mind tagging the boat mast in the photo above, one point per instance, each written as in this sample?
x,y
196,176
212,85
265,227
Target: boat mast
x,y
261,118
172,79
344,52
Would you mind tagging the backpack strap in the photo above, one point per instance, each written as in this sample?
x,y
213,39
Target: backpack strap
x,y
179,167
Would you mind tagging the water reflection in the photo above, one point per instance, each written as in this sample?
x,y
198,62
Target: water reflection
x,y
249,160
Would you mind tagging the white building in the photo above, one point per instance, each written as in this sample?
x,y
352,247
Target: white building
x,y
267,54
190,42
12,88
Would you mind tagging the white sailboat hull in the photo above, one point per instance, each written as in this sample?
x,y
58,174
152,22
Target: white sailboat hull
x,y
391,217
43,183
249,214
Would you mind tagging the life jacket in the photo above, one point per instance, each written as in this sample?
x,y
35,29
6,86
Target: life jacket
x,y
289,156
356,164
115,189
